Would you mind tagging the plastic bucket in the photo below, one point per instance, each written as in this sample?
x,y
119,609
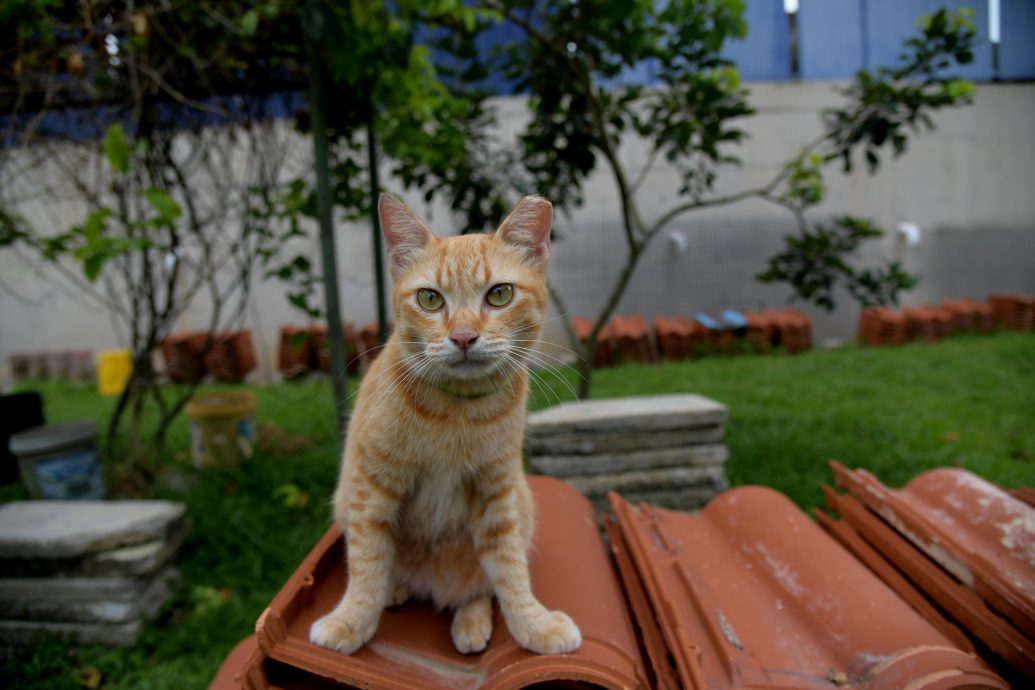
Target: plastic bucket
x,y
222,428
113,370
60,461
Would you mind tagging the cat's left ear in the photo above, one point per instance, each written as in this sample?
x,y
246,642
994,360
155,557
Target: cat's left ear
x,y
528,226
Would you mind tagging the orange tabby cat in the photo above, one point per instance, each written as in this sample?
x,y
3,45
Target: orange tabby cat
x,y
432,495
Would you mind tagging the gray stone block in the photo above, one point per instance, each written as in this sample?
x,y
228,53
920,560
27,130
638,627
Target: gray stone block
x,y
640,413
20,633
681,499
667,479
608,463
87,601
138,560
615,441
71,529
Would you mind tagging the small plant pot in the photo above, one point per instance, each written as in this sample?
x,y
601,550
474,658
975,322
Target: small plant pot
x,y
222,428
60,461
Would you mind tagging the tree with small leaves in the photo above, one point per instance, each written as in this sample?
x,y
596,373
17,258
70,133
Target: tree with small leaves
x,y
572,66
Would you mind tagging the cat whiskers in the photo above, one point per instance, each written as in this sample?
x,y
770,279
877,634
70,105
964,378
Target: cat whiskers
x,y
537,357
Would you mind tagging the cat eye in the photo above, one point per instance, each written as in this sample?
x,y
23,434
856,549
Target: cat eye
x,y
429,300
500,295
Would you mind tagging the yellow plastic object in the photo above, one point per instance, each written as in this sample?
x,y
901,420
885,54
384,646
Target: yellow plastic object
x,y
222,428
113,370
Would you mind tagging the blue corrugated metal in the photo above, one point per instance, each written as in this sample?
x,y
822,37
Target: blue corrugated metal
x,y
892,21
830,38
1017,41
765,55
839,37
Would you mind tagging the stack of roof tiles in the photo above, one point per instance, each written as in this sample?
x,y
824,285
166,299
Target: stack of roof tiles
x,y
91,570
761,332
959,549
793,330
1016,312
227,357
182,353
231,356
678,337
970,315
928,323
322,350
882,326
747,593
666,449
632,338
603,355
305,349
295,351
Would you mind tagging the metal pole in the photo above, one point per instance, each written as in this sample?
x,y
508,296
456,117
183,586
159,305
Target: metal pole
x,y
375,224
335,336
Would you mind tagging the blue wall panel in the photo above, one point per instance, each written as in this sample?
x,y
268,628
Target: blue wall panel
x,y
830,44
838,37
765,55
889,22
1017,41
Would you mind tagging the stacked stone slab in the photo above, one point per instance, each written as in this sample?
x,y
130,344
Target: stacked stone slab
x,y
667,450
90,570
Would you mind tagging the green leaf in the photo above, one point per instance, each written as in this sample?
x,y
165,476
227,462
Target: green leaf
x,y
93,264
116,148
250,22
168,209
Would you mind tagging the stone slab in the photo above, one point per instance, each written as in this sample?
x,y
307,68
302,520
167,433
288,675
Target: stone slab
x,y
668,479
136,561
147,599
639,413
20,633
681,500
70,529
573,465
616,441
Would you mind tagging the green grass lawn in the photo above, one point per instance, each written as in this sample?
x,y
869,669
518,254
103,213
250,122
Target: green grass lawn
x,y
968,401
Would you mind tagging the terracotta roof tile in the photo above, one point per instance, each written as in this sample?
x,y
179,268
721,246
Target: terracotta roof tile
x,y
413,648
750,593
1016,312
603,356
977,531
955,598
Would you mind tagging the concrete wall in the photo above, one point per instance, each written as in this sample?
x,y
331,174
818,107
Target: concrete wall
x,y
967,185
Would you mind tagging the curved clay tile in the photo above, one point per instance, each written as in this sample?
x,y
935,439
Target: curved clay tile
x,y
975,530
413,648
750,593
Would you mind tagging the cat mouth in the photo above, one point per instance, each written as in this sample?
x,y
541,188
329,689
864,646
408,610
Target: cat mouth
x,y
468,365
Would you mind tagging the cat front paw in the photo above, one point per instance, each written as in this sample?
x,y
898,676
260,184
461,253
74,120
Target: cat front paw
x,y
341,633
548,632
472,626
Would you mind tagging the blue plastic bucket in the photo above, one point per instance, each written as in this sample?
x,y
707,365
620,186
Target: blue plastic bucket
x,y
60,461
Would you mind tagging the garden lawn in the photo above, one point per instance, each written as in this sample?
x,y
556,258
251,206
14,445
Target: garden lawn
x,y
968,401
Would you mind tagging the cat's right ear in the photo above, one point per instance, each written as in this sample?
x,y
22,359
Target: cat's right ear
x,y
405,234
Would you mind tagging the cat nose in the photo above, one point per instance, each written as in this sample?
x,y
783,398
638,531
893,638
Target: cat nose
x,y
463,338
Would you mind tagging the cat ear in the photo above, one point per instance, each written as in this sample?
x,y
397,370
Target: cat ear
x,y
528,226
405,233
